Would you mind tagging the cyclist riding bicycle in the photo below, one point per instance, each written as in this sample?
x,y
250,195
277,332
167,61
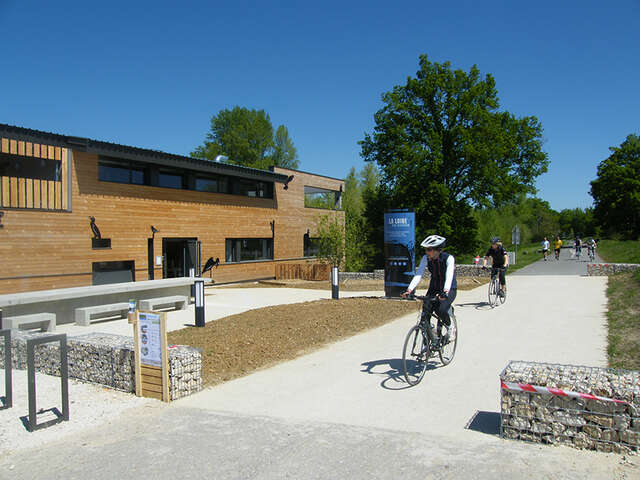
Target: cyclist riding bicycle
x,y
443,283
578,247
500,262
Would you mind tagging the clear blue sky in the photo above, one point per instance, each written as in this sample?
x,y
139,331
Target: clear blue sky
x,y
151,74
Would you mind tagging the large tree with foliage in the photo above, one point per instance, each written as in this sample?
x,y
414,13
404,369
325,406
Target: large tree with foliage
x,y
443,146
359,251
284,153
246,137
616,191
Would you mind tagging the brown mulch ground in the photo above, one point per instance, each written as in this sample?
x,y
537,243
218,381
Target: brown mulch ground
x,y
240,344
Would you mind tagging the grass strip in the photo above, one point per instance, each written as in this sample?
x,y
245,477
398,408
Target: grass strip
x,y
619,251
623,317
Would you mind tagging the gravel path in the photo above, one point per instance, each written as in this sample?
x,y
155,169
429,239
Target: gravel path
x,y
89,406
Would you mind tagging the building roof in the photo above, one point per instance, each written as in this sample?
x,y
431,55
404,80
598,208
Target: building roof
x,y
155,157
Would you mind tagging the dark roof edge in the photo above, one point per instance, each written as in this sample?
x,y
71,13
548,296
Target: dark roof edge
x,y
135,153
310,173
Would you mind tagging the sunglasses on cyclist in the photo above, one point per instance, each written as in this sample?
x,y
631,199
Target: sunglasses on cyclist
x,y
429,249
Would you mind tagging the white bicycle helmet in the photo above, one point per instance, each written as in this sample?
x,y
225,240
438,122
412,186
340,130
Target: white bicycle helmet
x,y
434,241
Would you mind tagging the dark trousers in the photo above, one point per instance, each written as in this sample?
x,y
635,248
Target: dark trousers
x,y
442,307
501,275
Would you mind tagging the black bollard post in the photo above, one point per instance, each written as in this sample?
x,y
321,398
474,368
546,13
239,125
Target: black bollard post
x,y
199,296
334,283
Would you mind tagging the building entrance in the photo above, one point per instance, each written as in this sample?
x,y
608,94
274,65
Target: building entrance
x,y
181,256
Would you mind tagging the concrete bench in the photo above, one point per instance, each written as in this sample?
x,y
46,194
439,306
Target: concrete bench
x,y
179,302
86,315
46,321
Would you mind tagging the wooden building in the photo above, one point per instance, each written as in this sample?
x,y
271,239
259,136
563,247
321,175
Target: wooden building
x,y
76,211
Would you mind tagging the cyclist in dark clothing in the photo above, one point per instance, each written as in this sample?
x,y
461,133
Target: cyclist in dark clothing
x,y
443,283
499,259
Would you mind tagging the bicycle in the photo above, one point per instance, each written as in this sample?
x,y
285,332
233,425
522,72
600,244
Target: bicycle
x,y
423,341
592,254
496,293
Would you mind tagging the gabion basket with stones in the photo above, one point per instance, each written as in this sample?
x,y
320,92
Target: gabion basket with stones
x,y
107,359
601,425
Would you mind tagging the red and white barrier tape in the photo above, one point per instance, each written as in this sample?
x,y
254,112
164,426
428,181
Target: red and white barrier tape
x,y
525,387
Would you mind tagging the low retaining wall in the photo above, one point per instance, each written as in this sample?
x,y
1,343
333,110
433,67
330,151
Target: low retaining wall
x,y
461,271
582,407
107,359
600,269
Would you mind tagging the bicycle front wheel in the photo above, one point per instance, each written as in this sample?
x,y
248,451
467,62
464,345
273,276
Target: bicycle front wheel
x,y
415,354
448,349
493,292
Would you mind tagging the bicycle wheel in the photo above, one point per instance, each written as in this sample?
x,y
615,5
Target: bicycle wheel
x,y
448,350
493,292
503,297
415,354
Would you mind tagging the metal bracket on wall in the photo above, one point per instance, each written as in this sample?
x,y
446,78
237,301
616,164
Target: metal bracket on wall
x,y
64,380
7,400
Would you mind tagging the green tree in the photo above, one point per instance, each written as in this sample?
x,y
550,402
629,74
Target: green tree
x,y
246,137
443,146
616,191
331,240
359,251
284,153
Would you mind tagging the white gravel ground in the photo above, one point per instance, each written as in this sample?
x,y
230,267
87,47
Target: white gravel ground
x,y
89,406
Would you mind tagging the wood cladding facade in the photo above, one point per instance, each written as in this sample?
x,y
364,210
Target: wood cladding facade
x,y
49,244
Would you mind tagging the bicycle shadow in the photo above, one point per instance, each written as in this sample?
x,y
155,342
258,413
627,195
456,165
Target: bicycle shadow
x,y
394,372
477,305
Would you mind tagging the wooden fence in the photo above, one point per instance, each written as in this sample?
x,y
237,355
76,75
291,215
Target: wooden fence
x,y
302,271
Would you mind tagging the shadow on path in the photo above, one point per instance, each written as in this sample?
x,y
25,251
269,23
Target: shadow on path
x,y
393,376
485,422
477,305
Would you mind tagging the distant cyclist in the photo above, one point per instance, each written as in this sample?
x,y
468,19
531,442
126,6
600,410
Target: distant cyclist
x,y
578,247
443,284
557,245
500,260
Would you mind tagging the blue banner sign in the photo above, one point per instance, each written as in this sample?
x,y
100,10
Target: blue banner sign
x,y
399,251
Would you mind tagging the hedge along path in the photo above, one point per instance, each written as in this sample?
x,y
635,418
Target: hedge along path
x,y
237,345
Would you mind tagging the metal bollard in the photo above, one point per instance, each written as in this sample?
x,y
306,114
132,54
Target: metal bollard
x,y
199,297
8,383
334,283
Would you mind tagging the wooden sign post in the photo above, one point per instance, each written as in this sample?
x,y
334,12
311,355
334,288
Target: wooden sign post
x,y
151,355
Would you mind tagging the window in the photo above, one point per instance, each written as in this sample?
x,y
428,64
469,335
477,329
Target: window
x,y
122,171
204,184
310,245
252,188
321,198
248,249
30,167
170,179
125,171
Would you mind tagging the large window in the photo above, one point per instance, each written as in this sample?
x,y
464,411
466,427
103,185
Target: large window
x,y
124,171
321,198
248,249
29,167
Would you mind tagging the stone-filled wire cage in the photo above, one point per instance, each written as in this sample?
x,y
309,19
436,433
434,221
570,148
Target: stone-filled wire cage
x,y
582,407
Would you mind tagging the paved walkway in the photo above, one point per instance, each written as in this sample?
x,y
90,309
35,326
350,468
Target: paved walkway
x,y
345,412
